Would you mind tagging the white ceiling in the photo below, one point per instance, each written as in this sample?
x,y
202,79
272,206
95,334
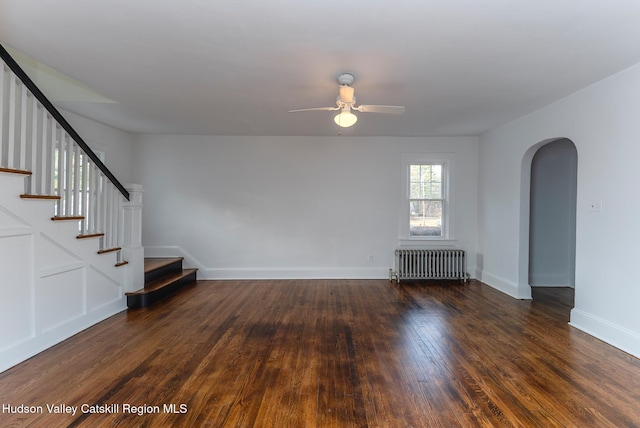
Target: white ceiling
x,y
235,67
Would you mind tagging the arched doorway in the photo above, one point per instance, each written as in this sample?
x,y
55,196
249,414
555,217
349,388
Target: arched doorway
x,y
552,218
548,214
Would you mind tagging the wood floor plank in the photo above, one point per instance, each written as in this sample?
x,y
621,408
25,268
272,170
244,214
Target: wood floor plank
x,y
332,353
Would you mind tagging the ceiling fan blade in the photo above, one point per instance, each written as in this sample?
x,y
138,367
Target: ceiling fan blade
x,y
380,109
316,109
346,94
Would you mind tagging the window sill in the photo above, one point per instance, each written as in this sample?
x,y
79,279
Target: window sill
x,y
426,242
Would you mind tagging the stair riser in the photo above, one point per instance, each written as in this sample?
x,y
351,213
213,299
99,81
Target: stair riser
x,y
162,271
144,300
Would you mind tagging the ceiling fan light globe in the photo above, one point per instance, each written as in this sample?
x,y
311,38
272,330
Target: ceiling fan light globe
x,y
345,119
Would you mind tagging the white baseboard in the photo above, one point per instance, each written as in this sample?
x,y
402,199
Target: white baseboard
x,y
518,291
210,273
611,333
296,273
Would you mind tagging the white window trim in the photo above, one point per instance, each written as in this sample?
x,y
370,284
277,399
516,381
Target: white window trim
x,y
448,238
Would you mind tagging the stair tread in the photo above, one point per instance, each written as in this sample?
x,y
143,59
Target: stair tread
x,y
70,217
109,250
91,235
43,197
15,171
153,263
163,282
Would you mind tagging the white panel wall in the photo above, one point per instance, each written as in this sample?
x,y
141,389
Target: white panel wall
x,y
602,121
16,305
52,285
288,207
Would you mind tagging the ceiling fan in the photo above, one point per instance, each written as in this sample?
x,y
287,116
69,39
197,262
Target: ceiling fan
x,y
346,101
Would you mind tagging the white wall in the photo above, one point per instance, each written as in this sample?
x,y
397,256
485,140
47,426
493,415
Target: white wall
x,y
287,207
114,143
602,121
552,222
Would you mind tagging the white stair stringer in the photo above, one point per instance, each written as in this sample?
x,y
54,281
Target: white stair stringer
x,y
53,285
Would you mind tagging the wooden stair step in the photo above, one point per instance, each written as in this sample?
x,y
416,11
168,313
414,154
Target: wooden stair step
x,y
160,288
109,250
15,171
43,197
153,263
164,281
65,218
92,235
158,267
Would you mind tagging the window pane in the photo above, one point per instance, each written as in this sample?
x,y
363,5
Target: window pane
x,y
433,191
414,173
415,182
425,218
435,182
425,181
415,191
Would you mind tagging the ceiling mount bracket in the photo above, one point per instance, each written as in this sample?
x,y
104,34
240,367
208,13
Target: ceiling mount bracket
x,y
345,79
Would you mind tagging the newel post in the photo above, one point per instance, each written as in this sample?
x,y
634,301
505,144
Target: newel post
x,y
132,249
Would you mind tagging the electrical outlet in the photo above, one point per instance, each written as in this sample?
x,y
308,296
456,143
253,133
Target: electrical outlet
x,y
595,206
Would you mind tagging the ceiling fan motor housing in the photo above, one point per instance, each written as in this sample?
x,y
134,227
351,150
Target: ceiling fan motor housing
x,y
340,101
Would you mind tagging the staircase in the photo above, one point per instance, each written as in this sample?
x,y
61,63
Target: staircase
x,y
162,277
27,213
56,281
70,232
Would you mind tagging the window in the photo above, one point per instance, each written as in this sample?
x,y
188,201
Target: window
x,y
426,200
426,203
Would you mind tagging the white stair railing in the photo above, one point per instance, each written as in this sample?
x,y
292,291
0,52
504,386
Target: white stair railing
x,y
36,138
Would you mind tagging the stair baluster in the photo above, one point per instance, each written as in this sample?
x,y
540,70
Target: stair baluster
x,y
36,138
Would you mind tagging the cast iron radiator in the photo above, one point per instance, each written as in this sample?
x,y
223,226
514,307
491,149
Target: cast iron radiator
x,y
429,264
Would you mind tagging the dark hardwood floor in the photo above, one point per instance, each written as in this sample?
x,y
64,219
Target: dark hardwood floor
x,y
325,353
